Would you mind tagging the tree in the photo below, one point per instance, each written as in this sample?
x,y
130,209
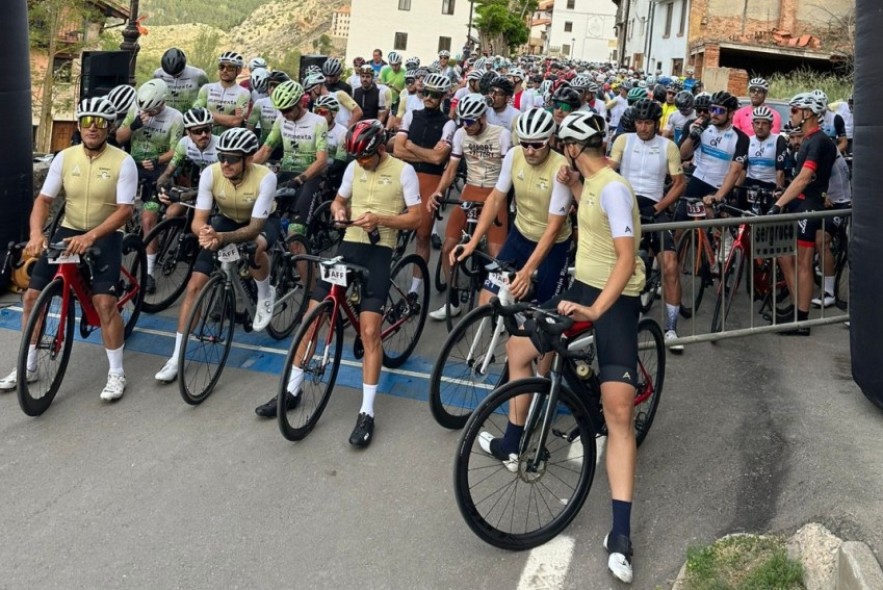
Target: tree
x,y
289,62
502,23
205,50
56,30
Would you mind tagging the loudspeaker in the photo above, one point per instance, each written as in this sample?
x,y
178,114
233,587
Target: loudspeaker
x,y
102,70
310,60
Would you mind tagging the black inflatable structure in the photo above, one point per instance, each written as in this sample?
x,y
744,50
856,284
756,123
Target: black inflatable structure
x,y
866,247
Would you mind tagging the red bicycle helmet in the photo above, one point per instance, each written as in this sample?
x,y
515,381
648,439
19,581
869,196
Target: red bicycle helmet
x,y
365,138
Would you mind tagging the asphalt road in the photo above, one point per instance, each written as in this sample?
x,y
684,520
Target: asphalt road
x,y
757,434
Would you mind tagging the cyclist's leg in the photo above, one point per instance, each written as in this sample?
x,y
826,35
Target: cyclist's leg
x,y
105,279
824,240
428,184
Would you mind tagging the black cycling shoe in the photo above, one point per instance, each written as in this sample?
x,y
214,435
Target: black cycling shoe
x,y
363,432
268,410
436,242
801,331
150,285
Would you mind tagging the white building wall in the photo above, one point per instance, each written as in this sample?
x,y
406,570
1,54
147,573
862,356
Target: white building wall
x,y
340,24
374,24
646,37
592,36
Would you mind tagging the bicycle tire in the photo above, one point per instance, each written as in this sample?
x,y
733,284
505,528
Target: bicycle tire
x,y
440,284
324,236
210,321
501,506
727,288
456,386
473,281
285,278
653,274
651,376
693,262
44,327
175,257
133,278
315,372
841,282
396,350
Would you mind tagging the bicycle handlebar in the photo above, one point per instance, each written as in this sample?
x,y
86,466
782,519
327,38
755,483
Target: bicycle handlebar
x,y
551,322
60,247
356,268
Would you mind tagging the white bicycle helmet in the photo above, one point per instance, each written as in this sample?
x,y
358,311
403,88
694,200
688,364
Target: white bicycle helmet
x,y
444,53
535,125
393,58
473,74
122,97
517,73
327,101
313,80
238,139
198,117
231,57
287,95
811,102
412,63
758,83
581,81
332,67
257,63
152,95
97,106
762,113
471,106
313,69
259,78
437,83
582,127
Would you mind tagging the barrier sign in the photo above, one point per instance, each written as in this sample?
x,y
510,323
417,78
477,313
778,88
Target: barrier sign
x,y
773,240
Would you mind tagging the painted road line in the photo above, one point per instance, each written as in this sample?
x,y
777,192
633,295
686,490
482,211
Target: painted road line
x,y
547,565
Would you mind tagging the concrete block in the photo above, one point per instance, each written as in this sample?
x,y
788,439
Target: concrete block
x,y
857,568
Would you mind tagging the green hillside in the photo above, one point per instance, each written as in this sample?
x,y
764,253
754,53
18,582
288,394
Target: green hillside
x,y
223,14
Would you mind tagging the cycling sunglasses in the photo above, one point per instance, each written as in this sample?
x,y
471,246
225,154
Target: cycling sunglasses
x,y
534,145
229,158
200,130
227,67
90,120
468,122
432,94
322,112
717,110
563,106
701,111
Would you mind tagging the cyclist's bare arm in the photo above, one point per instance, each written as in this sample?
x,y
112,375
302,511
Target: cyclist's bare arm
x,y
39,215
318,166
678,186
117,219
410,219
339,210
736,168
447,177
488,214
263,154
243,234
200,220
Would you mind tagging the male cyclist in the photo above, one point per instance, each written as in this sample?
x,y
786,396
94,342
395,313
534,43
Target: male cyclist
x,y
227,100
326,106
373,100
314,86
501,112
99,183
332,69
393,76
446,68
766,153
677,121
376,189
645,158
182,80
743,120
244,194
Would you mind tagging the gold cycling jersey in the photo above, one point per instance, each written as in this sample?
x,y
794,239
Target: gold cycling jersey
x,y
91,186
595,252
533,194
237,202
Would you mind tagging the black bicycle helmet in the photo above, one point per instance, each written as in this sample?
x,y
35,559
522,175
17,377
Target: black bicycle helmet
x,y
725,99
627,121
659,93
647,110
684,101
484,84
173,61
277,77
702,102
504,84
568,95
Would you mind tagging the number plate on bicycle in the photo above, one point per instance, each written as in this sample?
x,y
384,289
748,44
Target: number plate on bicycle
x,y
229,253
65,259
336,274
696,209
498,279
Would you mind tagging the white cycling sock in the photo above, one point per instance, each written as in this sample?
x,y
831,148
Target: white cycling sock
x,y
829,285
295,380
179,338
369,392
151,263
32,357
671,316
263,287
115,359
416,285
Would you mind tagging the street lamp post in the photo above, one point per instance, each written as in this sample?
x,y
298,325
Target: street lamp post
x,y
130,38
469,26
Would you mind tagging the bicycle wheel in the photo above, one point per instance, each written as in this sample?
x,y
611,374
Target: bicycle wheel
x,y
175,257
291,290
460,379
50,329
324,234
207,341
405,311
693,262
133,278
652,283
727,290
651,376
440,284
317,347
525,508
465,285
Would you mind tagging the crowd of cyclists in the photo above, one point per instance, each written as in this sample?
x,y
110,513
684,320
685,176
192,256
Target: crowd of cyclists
x,y
567,160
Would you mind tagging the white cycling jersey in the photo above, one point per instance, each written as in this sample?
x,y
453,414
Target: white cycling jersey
x,y
645,163
765,157
839,187
717,150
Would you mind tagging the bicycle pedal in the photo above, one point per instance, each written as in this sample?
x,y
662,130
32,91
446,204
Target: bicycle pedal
x,y
358,348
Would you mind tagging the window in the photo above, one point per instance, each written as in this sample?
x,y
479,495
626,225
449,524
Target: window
x,y
447,6
571,4
401,42
444,43
568,27
404,4
683,24
565,49
677,67
669,9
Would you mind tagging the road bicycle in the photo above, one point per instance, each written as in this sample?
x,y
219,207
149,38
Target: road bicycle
x,y
697,253
230,297
458,184
50,327
317,346
525,501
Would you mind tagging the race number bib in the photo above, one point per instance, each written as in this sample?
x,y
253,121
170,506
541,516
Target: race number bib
x,y
498,279
229,253
334,274
65,259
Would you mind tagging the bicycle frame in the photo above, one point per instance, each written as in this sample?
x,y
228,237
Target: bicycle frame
x,y
231,272
76,285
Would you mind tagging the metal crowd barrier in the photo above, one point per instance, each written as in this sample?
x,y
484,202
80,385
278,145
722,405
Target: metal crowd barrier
x,y
771,237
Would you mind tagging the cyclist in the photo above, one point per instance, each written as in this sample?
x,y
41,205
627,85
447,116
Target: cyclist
x,y
678,120
445,68
326,106
373,100
332,69
743,120
815,161
227,100
244,194
833,124
667,94
424,140
376,189
377,62
766,153
197,149
182,80
411,98
303,136
122,98
540,237
608,281
501,112
99,183
483,146
590,103
645,158
393,76
839,196
314,86
355,80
